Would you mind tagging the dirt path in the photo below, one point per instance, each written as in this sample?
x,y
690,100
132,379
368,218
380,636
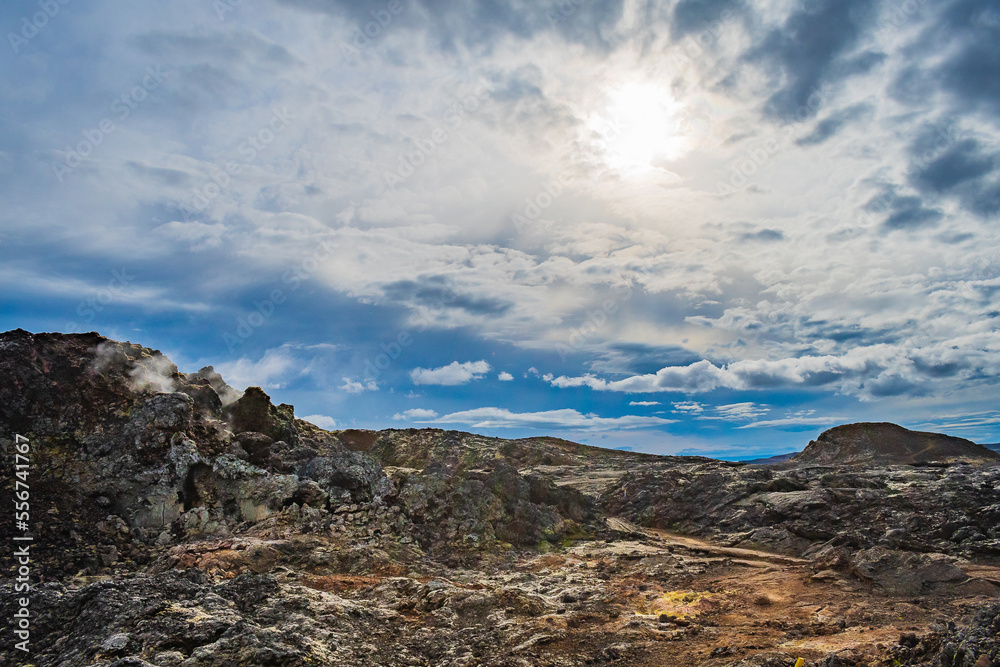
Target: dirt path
x,y
696,546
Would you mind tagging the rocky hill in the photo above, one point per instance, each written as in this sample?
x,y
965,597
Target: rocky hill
x,y
418,448
133,454
886,444
179,521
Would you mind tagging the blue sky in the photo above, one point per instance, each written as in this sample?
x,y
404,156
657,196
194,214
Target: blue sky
x,y
711,227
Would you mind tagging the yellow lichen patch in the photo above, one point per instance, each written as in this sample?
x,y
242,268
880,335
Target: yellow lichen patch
x,y
679,603
191,615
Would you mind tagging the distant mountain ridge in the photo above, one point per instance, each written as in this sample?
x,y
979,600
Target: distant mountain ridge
x,y
883,443
419,448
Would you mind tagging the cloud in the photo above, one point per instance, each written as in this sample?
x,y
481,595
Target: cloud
x,y
689,407
794,421
814,47
644,403
197,235
567,418
765,235
700,376
504,376
329,423
355,387
962,421
272,371
737,412
834,123
454,373
415,414
868,372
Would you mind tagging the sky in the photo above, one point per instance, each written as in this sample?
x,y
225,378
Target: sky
x,y
710,227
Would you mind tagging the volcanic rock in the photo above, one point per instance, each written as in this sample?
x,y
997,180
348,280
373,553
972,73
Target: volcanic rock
x,y
888,444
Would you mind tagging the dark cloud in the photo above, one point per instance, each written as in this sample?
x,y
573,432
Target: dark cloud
x,y
967,32
834,123
763,235
640,358
965,169
840,332
434,292
962,162
939,370
813,48
971,73
478,24
697,15
910,214
889,384
902,212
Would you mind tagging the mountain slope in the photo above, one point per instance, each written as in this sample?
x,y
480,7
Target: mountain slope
x,y
886,444
418,448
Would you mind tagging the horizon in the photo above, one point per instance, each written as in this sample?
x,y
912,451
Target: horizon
x,y
680,227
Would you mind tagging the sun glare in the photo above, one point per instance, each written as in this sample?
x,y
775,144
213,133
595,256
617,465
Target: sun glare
x,y
641,125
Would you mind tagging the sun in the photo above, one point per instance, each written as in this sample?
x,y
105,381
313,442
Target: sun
x,y
642,124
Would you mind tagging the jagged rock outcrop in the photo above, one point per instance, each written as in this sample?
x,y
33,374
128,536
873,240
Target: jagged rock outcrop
x,y
130,455
888,444
129,452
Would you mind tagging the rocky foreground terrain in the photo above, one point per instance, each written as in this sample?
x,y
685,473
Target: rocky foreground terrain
x,y
177,521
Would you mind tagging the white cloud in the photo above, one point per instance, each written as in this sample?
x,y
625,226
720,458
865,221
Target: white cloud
x,y
689,407
644,403
355,387
802,418
272,371
505,376
415,414
454,373
502,418
329,423
866,371
737,412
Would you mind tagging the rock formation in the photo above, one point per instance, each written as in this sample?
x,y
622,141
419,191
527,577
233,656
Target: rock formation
x,y
885,444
